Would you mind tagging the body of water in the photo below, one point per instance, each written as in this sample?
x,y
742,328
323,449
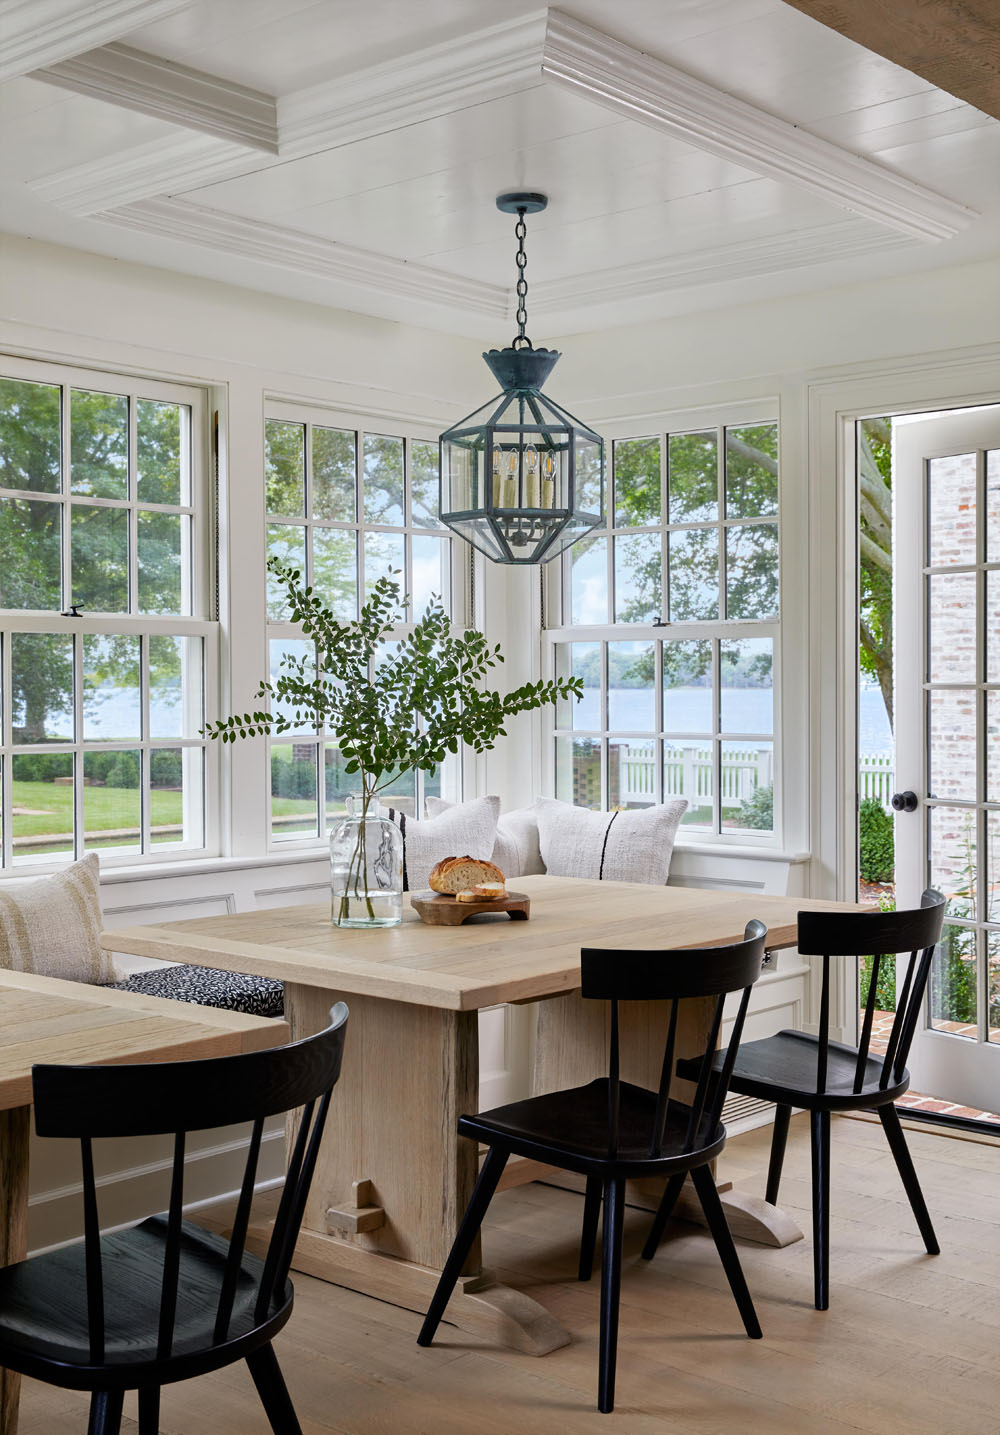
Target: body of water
x,y
689,710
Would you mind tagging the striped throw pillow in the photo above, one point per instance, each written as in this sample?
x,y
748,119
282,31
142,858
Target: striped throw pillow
x,y
51,925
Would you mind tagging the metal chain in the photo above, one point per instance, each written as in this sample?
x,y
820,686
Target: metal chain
x,y
521,340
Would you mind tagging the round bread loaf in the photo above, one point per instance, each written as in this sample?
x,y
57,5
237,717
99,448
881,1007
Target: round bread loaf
x,y
461,874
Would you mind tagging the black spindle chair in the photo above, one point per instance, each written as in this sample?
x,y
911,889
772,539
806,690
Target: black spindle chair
x,y
166,1300
794,1068
611,1130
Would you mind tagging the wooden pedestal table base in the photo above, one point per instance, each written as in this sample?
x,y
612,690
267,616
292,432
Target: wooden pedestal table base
x,y
393,1178
571,1049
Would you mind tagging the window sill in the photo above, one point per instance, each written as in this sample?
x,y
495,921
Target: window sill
x,y
199,866
742,851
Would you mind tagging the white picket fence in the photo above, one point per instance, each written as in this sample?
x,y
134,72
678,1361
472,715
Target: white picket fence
x,y
687,772
876,778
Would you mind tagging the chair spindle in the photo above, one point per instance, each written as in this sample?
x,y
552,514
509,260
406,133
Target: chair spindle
x,y
237,1241
866,1026
663,1092
92,1237
705,1075
172,1252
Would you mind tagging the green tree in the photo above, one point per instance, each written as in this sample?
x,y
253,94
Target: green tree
x,y
30,576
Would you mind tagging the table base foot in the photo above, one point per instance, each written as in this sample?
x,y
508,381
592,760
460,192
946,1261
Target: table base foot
x,y
481,1304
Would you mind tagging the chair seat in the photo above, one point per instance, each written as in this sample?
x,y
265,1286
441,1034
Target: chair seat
x,y
570,1129
783,1068
208,986
43,1308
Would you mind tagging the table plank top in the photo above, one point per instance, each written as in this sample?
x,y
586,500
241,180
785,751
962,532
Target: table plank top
x,y
47,1019
486,961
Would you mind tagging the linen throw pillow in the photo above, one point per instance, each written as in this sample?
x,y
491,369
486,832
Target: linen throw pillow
x,y
609,846
515,851
465,830
51,925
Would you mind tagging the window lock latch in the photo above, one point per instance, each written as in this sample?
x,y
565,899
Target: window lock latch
x,y
72,611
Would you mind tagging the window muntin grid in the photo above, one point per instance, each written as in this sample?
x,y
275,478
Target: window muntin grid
x,y
685,570
691,532
100,711
347,504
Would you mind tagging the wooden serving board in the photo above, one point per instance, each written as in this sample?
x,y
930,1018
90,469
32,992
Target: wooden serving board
x,y
439,909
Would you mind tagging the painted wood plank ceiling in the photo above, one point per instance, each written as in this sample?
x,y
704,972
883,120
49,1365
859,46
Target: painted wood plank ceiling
x,y
696,152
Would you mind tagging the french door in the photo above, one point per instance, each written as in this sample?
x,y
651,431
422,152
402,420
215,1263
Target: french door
x,y
946,604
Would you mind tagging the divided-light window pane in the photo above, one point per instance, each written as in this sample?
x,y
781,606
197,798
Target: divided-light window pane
x,y
30,436
285,468
112,531
709,743
98,443
693,477
347,508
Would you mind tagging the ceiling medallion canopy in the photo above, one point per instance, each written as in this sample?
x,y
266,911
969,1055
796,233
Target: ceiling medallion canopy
x,y
521,479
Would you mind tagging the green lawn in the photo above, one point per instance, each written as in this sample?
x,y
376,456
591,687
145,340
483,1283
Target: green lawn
x,y
51,809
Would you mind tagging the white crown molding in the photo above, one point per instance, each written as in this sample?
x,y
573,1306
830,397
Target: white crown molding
x,y
120,75
44,32
499,60
656,94
771,254
309,254
145,171
395,278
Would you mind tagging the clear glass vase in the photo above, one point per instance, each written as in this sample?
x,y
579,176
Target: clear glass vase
x,y
366,868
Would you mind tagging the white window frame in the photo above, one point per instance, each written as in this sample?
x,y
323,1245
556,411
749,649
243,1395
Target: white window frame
x,y
311,413
556,631
202,624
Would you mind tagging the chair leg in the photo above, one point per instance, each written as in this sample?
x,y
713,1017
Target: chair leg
x,y
105,1412
149,1410
704,1184
820,1133
482,1195
273,1391
778,1139
663,1213
588,1235
611,1280
904,1164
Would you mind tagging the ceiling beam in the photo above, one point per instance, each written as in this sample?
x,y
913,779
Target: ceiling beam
x,y
955,44
44,32
642,88
120,75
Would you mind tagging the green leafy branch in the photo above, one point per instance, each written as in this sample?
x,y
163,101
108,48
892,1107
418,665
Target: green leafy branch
x,y
391,704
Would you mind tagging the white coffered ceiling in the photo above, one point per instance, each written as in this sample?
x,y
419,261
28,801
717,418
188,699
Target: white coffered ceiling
x,y
696,152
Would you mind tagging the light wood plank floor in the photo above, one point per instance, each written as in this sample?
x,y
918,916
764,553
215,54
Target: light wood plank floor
x,y
910,1343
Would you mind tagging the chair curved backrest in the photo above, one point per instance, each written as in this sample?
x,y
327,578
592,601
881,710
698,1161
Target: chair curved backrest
x,y
608,974
175,1097
876,934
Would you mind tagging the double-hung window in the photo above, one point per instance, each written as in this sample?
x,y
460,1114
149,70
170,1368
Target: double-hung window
x,y
348,503
106,635
669,614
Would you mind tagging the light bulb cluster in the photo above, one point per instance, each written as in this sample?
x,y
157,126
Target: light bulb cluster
x,y
539,478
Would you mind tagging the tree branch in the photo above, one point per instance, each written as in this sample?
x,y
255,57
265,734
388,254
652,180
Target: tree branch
x,y
873,554
755,455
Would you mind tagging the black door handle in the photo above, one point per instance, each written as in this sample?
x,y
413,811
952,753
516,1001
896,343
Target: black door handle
x,y
905,801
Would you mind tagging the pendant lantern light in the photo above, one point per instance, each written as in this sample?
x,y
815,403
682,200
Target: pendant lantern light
x,y
521,479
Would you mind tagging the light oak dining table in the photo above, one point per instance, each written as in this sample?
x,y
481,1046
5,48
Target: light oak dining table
x,y
394,1177
44,1019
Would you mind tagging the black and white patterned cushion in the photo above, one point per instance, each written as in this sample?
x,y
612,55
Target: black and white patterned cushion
x,y
207,986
